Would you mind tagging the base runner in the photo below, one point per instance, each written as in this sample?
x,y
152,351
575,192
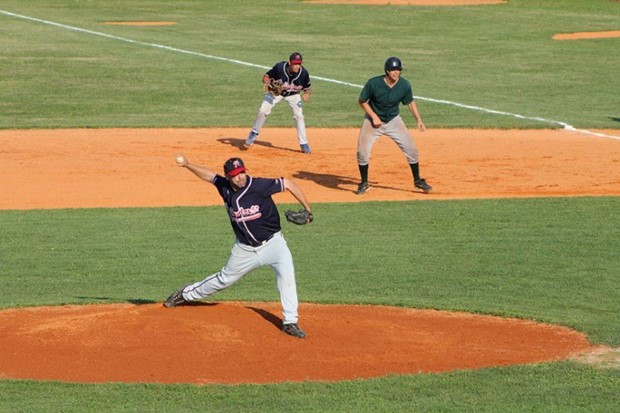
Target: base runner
x,y
380,99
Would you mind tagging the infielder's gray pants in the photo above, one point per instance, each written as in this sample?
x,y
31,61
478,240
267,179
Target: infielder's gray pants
x,y
395,130
244,259
296,105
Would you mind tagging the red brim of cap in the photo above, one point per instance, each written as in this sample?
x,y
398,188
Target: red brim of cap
x,y
236,171
296,62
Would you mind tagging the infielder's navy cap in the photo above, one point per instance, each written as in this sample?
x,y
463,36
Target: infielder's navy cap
x,y
234,166
296,58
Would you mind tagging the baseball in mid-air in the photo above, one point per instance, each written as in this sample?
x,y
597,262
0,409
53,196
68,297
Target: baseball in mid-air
x,y
180,159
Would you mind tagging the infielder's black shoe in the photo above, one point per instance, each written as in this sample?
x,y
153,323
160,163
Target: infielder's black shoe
x,y
293,330
176,298
305,148
362,188
421,184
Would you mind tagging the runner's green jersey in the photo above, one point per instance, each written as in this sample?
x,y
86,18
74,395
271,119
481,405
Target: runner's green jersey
x,y
385,101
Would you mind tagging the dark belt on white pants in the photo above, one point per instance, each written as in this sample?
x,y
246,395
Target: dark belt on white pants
x,y
259,243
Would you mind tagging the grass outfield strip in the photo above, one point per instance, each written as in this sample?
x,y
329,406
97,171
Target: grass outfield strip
x,y
502,57
558,387
549,122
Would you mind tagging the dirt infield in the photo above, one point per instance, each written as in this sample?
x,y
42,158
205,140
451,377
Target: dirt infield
x,y
85,168
241,342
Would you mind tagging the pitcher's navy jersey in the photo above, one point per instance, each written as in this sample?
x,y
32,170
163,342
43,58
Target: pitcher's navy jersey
x,y
293,84
253,214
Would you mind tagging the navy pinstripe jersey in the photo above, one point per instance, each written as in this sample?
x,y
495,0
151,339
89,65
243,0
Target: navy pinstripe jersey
x,y
293,84
253,213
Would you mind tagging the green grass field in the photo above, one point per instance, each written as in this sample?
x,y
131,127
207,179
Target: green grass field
x,y
499,57
551,260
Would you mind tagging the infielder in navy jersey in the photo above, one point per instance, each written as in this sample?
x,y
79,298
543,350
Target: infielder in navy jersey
x,y
296,80
256,222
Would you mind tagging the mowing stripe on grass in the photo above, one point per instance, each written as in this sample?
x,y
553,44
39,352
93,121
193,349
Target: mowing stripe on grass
x,y
564,125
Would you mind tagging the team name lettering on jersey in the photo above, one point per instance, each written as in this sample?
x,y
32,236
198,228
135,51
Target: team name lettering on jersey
x,y
253,214
290,87
245,214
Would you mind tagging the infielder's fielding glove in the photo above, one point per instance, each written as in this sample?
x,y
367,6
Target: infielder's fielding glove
x,y
301,217
275,87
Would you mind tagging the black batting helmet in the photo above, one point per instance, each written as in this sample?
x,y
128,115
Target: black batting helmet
x,y
393,63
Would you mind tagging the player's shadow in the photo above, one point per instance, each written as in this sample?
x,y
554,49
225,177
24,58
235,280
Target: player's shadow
x,y
339,182
87,297
199,304
141,301
273,319
615,119
327,180
238,143
134,301
144,301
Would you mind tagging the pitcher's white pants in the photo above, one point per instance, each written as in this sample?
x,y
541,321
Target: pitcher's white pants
x,y
296,105
244,259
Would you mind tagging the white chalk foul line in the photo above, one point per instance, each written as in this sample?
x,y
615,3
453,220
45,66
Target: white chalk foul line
x,y
564,125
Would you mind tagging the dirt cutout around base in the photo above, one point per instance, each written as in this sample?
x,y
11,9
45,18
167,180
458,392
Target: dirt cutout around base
x,y
587,35
604,357
241,342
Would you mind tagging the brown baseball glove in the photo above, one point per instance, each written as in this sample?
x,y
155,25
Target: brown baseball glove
x,y
275,87
301,217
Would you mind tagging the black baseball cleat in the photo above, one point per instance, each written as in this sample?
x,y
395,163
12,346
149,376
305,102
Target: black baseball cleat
x,y
362,188
293,330
176,298
421,184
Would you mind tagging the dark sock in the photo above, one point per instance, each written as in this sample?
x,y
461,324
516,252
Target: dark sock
x,y
415,169
364,172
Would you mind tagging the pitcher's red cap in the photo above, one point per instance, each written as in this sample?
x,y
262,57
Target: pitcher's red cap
x,y
234,166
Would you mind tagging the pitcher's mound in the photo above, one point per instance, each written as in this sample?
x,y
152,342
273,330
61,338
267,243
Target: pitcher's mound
x,y
241,342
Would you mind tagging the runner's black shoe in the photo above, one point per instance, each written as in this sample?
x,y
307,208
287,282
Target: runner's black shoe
x,y
362,188
421,184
